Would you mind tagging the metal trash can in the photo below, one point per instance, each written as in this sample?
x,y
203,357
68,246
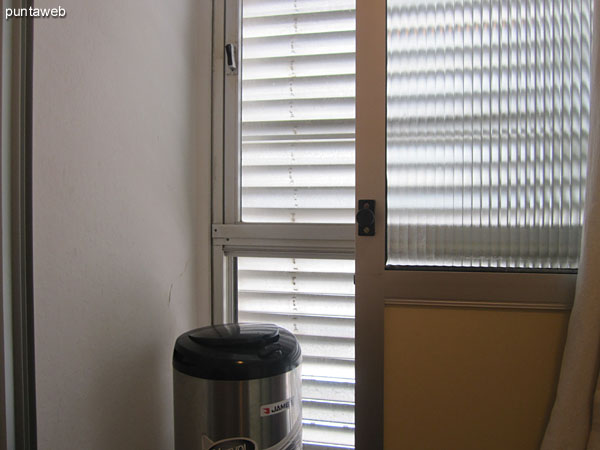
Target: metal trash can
x,y
237,386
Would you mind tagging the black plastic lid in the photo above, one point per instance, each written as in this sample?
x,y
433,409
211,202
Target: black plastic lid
x,y
236,351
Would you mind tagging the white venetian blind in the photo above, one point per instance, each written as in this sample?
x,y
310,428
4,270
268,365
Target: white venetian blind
x,y
298,65
487,132
313,298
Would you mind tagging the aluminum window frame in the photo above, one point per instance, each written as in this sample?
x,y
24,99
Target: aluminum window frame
x,y
230,236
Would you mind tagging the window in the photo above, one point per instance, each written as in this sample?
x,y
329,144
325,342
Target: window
x,y
487,129
283,209
313,298
298,111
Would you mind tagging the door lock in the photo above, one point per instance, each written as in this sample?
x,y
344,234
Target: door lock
x,y
365,217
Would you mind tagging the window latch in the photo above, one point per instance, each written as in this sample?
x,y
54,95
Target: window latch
x,y
231,59
365,217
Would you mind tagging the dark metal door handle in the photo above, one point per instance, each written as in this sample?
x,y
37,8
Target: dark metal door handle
x,y
365,217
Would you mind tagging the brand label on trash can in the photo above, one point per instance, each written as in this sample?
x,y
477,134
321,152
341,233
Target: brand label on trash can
x,y
229,444
275,408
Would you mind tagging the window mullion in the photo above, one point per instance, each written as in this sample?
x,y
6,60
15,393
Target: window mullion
x,y
232,114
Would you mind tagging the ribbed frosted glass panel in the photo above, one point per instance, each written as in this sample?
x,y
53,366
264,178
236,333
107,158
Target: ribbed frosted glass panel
x,y
313,298
487,132
298,66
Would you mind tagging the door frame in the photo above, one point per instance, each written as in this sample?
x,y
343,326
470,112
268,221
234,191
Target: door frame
x,y
377,287
18,358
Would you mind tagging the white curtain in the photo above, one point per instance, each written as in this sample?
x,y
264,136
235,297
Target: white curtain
x,y
575,420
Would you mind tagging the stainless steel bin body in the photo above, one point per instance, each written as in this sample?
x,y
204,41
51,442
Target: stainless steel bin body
x,y
221,399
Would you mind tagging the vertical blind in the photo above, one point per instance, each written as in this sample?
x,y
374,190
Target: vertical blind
x,y
487,128
298,111
313,298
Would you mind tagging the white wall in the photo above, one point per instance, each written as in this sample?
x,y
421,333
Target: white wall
x,y
121,223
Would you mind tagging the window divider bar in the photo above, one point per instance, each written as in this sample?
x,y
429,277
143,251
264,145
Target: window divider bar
x,y
232,115
287,251
288,232
218,99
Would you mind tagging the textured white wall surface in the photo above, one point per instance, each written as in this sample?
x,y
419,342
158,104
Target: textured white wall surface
x,y
121,224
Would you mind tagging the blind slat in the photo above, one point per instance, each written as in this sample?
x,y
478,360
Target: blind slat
x,y
297,23
298,109
334,152
266,8
342,412
302,45
322,367
307,325
299,198
297,282
304,215
305,303
313,266
328,433
334,390
299,176
326,87
297,131
299,66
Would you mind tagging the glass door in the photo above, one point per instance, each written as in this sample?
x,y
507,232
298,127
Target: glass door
x,y
463,293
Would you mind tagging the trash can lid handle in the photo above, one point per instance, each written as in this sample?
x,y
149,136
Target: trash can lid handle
x,y
236,335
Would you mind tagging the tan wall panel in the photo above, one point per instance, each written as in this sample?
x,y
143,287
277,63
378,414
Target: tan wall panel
x,y
469,378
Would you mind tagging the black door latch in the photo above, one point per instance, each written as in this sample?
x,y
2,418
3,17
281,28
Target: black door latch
x,y
365,217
